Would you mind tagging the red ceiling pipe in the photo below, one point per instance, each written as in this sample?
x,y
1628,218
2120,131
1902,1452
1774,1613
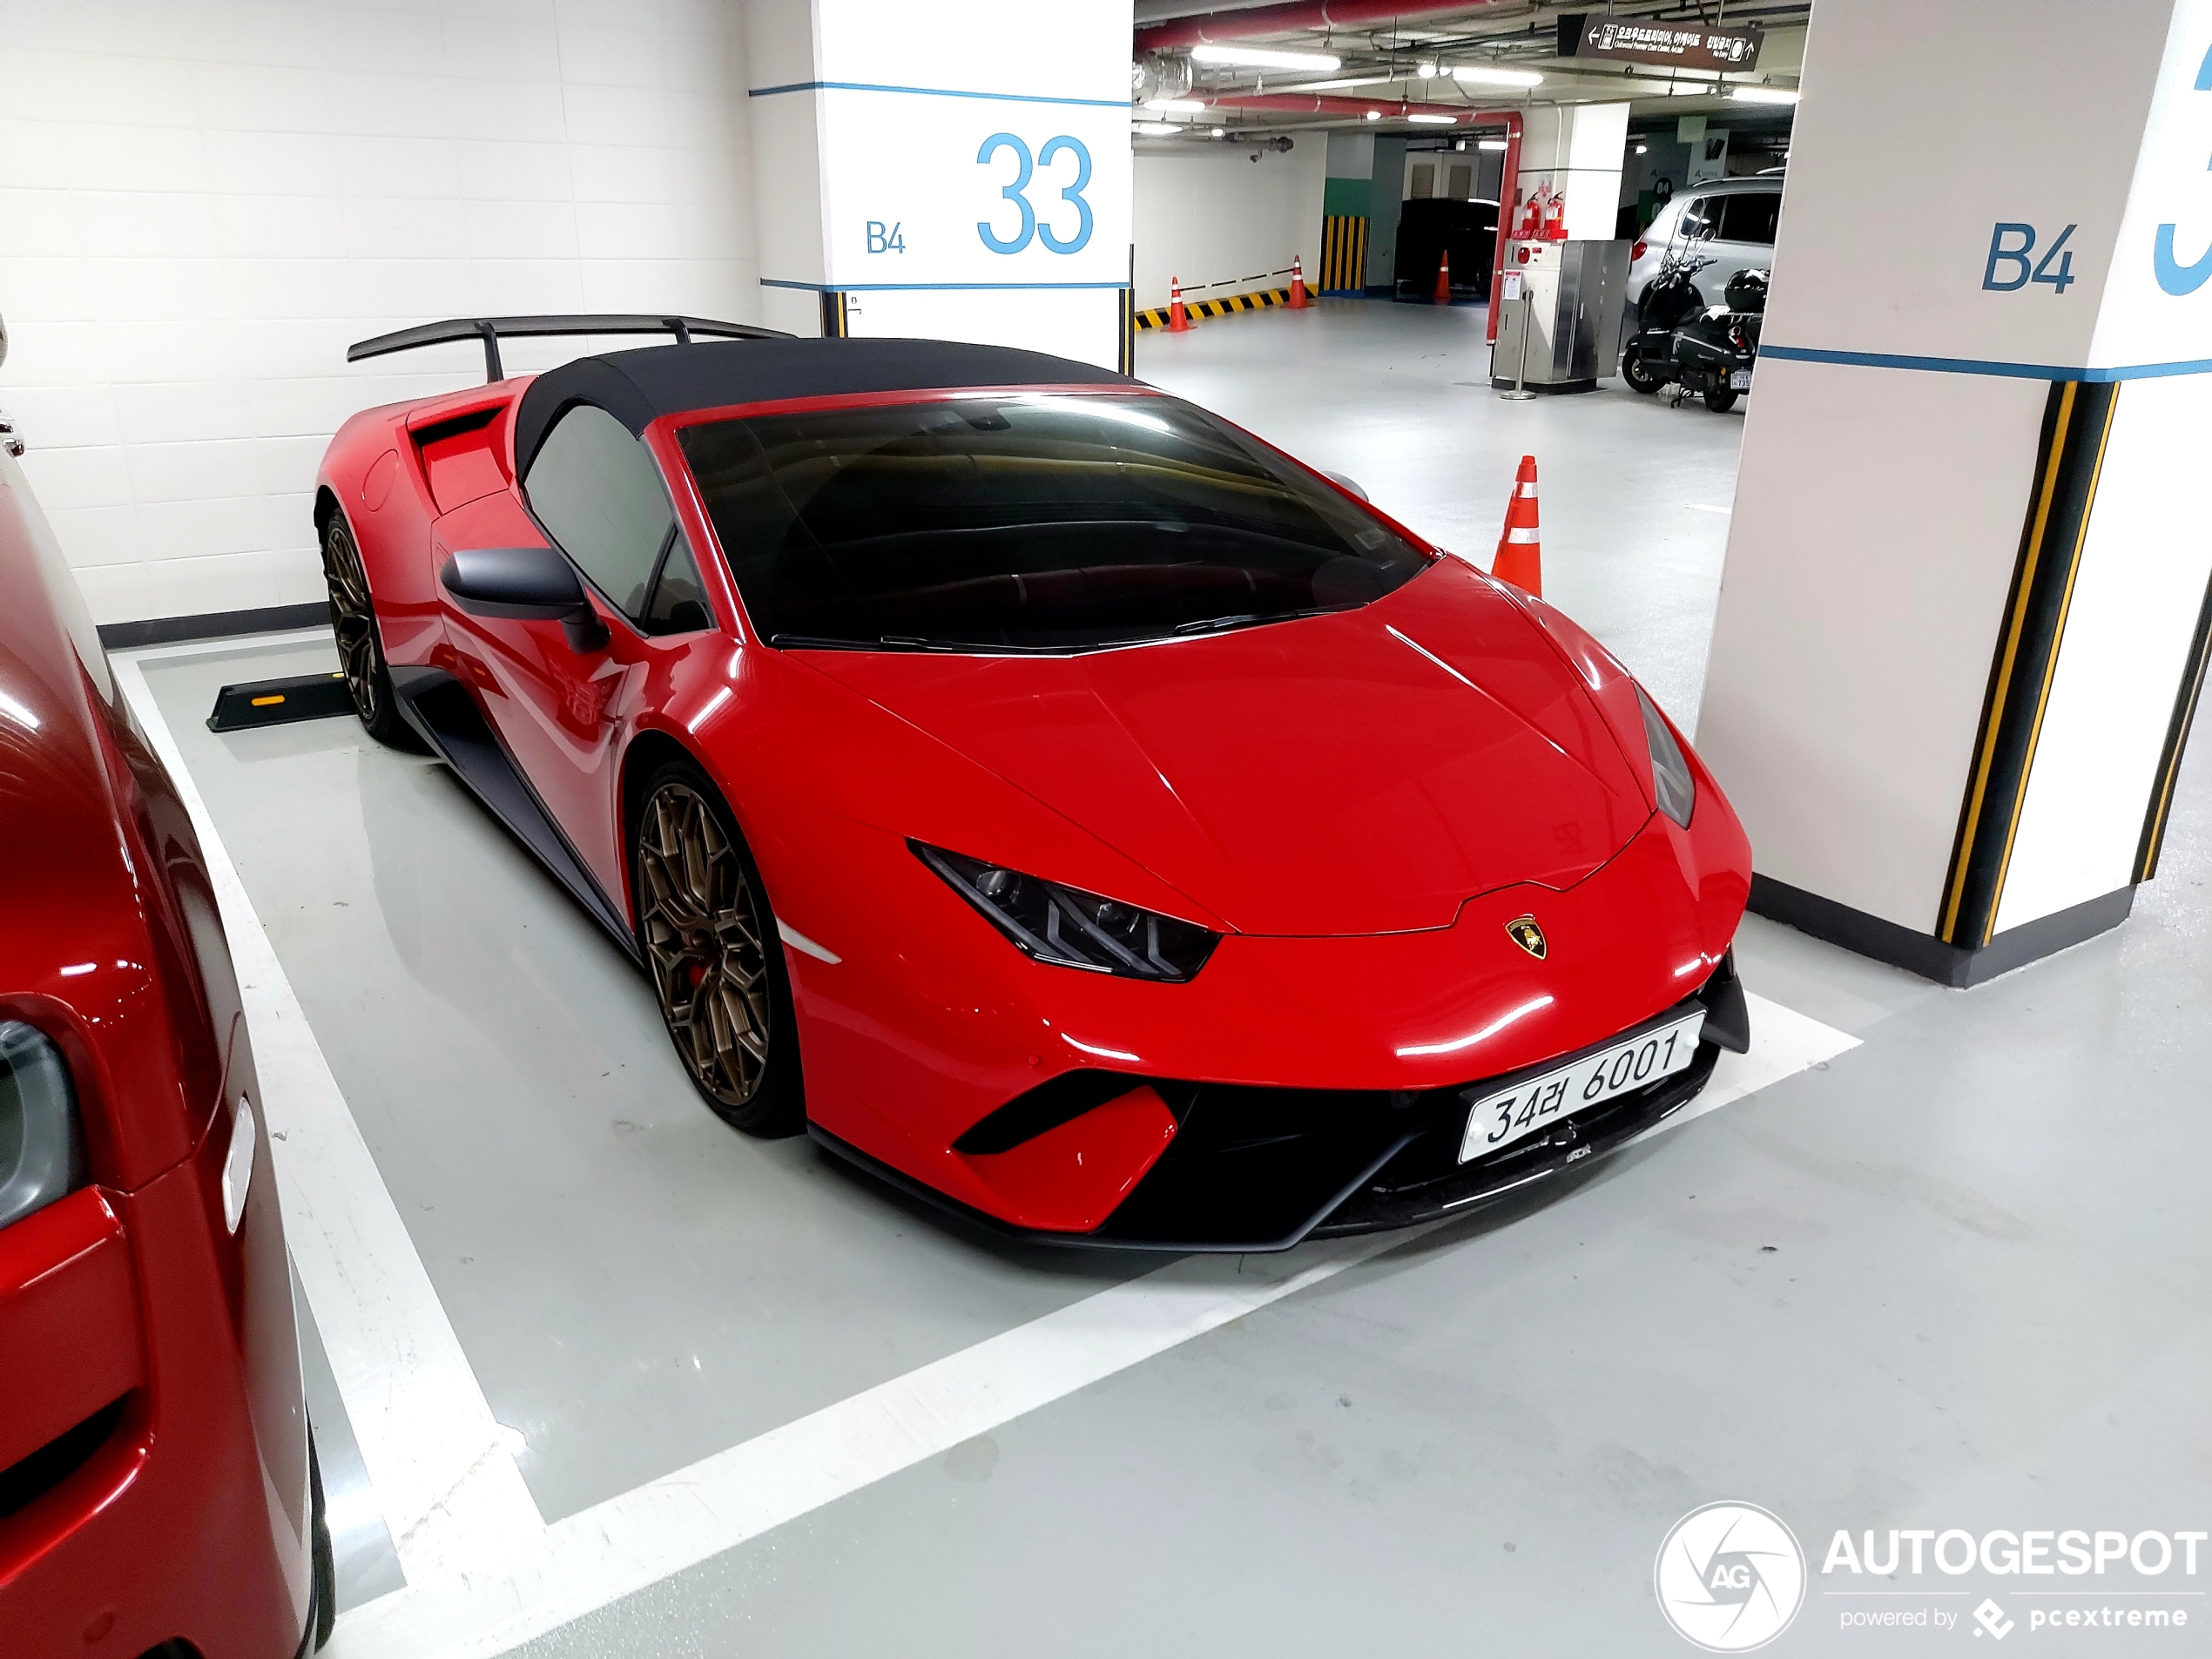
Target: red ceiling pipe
x,y
1276,20
1507,120
1323,104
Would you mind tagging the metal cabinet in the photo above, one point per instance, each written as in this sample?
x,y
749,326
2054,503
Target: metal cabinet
x,y
1568,320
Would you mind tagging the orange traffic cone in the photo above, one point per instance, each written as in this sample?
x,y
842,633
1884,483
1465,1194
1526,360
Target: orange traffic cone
x,y
1178,320
1297,283
1520,552
1444,279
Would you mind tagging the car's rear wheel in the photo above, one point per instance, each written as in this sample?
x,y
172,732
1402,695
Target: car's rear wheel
x,y
361,652
711,944
1639,378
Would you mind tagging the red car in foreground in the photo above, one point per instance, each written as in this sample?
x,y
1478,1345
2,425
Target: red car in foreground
x,y
1048,795
156,1482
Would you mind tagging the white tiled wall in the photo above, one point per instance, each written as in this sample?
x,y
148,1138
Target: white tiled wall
x,y
202,204
1207,212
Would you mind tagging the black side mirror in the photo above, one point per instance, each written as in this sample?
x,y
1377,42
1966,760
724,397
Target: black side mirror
x,y
526,581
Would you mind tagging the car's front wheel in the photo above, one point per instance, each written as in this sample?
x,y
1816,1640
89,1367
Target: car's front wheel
x,y
361,652
711,944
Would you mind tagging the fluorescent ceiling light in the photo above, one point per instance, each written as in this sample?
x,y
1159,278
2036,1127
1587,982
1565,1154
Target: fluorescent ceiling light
x,y
1434,120
1264,58
1157,129
1762,95
1695,89
1220,132
1491,144
1467,75
1374,115
1177,106
1478,76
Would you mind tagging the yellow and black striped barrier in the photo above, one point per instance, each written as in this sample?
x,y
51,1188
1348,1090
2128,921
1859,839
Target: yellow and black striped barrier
x,y
1343,254
1157,317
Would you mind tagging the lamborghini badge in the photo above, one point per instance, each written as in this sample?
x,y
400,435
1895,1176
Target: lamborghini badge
x,y
1527,934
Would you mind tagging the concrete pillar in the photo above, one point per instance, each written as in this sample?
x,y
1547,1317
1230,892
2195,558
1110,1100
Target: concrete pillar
x,y
959,175
1386,205
1574,151
1965,615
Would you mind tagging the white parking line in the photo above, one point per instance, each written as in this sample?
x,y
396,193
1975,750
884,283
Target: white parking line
x,y
484,1571
1783,1042
450,1491
627,1543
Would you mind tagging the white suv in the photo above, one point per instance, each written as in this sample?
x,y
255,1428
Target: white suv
x,y
1731,219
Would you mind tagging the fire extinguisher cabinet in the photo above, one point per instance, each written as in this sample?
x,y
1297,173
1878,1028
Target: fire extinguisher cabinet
x,y
1563,334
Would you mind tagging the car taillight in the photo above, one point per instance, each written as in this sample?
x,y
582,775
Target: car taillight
x,y
1640,249
41,1153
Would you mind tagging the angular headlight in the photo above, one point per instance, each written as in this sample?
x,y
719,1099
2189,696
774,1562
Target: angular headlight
x,y
42,1156
1671,784
1071,929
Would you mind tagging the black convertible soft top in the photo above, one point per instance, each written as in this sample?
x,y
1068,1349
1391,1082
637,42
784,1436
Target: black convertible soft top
x,y
638,387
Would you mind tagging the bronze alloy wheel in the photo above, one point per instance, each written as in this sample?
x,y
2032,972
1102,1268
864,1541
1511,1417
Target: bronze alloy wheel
x,y
704,934
354,621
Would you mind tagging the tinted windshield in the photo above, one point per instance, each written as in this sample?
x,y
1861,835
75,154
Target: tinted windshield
x,y
1025,521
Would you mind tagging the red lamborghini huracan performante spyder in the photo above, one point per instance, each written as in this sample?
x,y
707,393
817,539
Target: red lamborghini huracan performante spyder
x,y
1049,796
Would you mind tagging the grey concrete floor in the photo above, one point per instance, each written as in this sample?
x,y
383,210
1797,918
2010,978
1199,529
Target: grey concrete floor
x,y
1952,1278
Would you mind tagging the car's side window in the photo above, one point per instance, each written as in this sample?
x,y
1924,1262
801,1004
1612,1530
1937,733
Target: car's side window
x,y
679,605
595,488
1750,217
1696,219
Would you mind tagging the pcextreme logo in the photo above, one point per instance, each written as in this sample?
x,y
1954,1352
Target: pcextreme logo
x,y
1729,1577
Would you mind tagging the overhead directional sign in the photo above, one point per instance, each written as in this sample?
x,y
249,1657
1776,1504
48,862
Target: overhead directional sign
x,y
1678,46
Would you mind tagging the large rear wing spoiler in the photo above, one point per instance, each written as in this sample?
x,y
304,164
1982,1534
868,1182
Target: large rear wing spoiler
x,y
488,330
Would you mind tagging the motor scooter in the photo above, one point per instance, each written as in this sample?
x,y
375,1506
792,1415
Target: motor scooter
x,y
1704,351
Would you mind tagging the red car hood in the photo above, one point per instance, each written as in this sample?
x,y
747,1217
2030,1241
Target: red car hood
x,y
1361,772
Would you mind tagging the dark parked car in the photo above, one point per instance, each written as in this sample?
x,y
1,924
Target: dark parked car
x,y
1428,228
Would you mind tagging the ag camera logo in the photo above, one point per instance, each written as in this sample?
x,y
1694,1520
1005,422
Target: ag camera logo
x,y
1729,1577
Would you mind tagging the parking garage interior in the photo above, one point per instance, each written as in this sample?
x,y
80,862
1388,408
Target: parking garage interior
x,y
588,1371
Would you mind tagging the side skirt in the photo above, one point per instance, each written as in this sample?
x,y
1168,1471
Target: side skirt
x,y
440,708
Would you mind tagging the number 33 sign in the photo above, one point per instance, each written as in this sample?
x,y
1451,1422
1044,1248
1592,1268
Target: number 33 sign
x,y
1016,190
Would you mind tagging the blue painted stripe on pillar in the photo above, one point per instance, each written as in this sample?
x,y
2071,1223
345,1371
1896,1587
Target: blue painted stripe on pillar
x,y
933,91
1985,365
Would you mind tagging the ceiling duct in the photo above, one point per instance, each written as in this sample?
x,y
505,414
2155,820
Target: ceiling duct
x,y
1284,19
1160,75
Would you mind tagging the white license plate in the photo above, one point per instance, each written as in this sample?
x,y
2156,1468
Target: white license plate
x,y
1497,1121
1739,379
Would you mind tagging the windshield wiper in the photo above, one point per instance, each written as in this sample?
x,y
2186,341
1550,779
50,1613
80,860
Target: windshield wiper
x,y
1248,619
819,642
